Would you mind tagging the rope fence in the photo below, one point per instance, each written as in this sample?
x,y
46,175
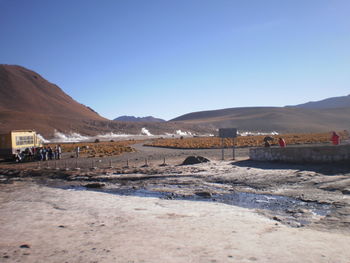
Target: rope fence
x,y
92,164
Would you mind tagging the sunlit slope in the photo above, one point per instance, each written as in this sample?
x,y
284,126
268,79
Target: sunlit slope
x,y
329,103
265,119
28,101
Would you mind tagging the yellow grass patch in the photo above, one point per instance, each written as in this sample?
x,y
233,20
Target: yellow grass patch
x,y
98,149
244,141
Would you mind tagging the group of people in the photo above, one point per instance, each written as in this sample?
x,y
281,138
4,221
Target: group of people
x,y
39,154
335,139
268,139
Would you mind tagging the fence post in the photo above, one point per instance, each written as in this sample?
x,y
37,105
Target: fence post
x,y
223,149
93,164
127,164
233,149
76,165
164,163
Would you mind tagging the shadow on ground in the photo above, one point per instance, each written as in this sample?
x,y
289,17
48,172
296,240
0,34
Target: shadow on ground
x,y
322,168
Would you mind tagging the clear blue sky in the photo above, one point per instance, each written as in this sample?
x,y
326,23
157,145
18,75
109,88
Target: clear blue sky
x,y
170,57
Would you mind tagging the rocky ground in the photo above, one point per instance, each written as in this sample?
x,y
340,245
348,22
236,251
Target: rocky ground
x,y
218,211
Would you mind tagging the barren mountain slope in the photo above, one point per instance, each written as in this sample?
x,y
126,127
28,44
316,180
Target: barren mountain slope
x,y
334,102
28,101
272,119
139,119
23,90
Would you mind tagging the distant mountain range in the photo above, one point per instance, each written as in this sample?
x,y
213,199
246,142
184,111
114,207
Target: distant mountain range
x,y
28,101
330,103
324,115
138,119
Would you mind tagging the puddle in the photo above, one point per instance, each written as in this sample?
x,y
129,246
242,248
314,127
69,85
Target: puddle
x,y
272,202
276,203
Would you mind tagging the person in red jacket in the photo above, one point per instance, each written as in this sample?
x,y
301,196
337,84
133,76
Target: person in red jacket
x,y
282,142
335,138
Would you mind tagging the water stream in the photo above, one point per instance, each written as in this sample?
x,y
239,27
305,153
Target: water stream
x,y
292,208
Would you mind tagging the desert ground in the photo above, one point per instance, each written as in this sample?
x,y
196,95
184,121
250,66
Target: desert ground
x,y
134,208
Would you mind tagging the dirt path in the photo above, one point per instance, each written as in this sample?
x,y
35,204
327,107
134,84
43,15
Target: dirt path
x,y
154,156
176,156
41,224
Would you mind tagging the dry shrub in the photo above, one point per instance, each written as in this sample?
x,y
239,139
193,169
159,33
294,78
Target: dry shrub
x,y
100,149
244,141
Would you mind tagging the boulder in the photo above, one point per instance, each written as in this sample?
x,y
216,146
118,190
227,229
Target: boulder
x,y
194,160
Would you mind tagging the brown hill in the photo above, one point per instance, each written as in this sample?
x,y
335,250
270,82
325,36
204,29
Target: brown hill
x,y
28,101
267,119
329,103
139,119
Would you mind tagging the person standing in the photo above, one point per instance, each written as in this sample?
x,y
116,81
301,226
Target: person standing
x,y
50,153
59,152
267,141
45,154
77,151
55,154
335,138
282,142
41,154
